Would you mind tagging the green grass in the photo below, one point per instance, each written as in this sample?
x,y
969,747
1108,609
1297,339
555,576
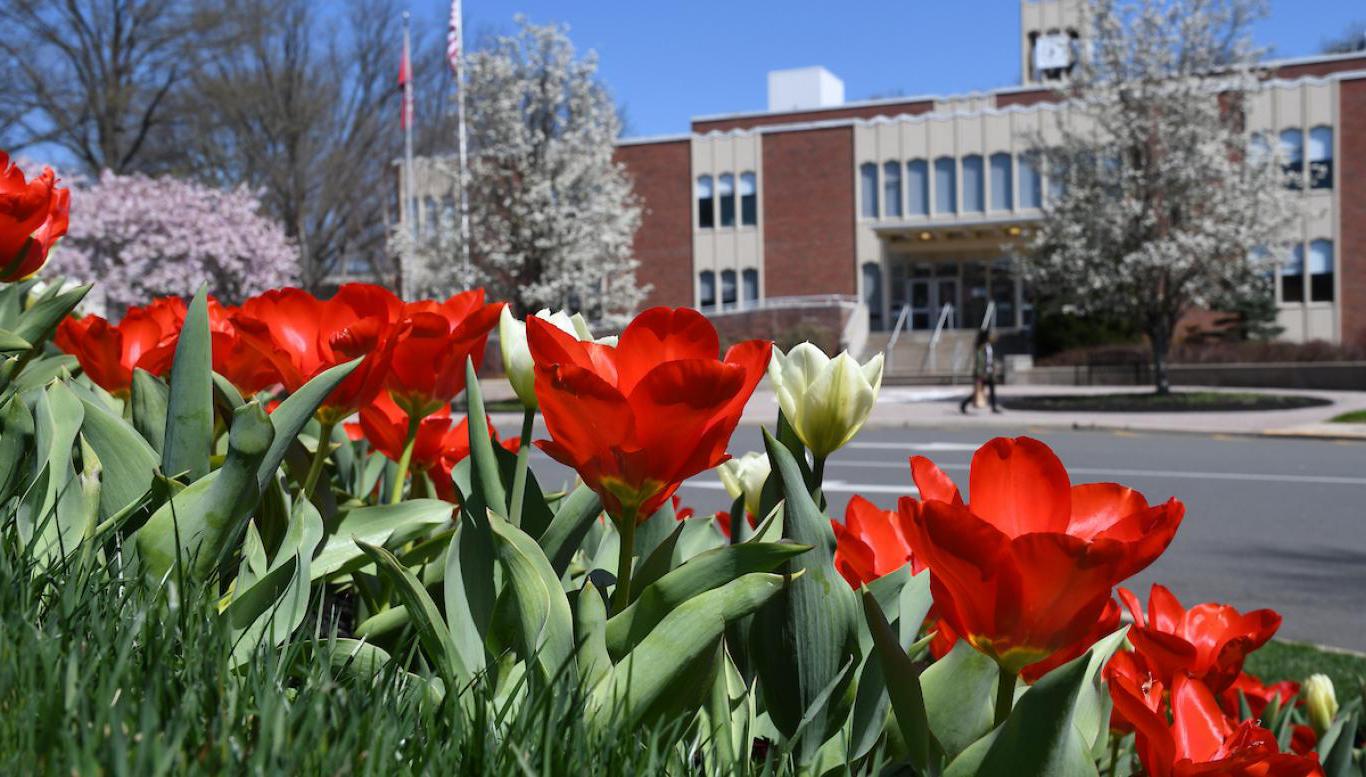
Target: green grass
x,y
1175,402
1354,417
1295,661
115,676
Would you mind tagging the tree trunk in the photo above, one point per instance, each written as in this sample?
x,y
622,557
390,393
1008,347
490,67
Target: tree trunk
x,y
1161,340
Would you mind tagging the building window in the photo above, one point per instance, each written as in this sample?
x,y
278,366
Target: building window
x,y
945,185
1292,275
872,295
749,200
891,188
727,289
1031,182
1002,182
1321,158
706,292
974,189
706,217
725,192
749,286
868,186
1320,270
917,188
1258,150
1292,153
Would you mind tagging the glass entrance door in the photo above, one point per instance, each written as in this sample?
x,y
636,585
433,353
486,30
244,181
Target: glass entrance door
x,y
928,296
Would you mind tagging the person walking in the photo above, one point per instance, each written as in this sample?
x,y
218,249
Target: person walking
x,y
983,371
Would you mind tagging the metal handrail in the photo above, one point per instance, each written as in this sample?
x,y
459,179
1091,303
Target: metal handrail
x,y
989,317
931,362
901,320
785,303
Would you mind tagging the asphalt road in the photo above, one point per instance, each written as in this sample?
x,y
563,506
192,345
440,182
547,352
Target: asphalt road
x,y
1277,523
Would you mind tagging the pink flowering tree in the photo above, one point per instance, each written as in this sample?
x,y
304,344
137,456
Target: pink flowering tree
x,y
142,237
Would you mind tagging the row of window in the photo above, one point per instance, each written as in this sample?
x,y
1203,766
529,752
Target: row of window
x,y
749,291
1308,276
1320,156
716,204
888,192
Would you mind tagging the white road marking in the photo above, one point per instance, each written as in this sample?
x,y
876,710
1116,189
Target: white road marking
x,y
924,446
834,485
1241,476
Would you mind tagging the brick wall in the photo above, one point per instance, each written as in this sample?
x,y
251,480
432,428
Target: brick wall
x,y
1025,99
912,108
808,212
1351,182
662,178
1322,68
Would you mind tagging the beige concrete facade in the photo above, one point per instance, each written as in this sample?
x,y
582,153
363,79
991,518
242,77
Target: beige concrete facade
x,y
736,249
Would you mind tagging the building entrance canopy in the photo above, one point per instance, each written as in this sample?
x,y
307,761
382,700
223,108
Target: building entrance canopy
x,y
952,273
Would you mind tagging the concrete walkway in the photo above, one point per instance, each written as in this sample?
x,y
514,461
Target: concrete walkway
x,y
937,406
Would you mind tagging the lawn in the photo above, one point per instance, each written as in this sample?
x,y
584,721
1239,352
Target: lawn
x,y
1295,661
1354,417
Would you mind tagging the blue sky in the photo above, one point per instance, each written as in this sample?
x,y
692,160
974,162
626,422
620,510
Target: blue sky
x,y
668,60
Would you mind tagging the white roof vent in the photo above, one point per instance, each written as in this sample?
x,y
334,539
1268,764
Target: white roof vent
x,y
804,88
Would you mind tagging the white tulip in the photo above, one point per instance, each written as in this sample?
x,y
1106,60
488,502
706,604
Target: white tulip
x,y
745,477
517,362
825,400
1320,702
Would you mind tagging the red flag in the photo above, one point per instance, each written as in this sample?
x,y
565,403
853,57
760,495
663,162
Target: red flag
x,y
453,37
405,83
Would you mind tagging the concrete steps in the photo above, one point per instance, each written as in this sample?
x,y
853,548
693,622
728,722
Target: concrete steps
x,y
910,362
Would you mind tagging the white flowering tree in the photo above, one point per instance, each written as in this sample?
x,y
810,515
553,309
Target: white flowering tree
x,y
552,214
141,237
1161,198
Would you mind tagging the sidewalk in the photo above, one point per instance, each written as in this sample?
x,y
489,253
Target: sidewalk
x,y
938,406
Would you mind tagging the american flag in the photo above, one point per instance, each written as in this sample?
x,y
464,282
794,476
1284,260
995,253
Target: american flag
x,y
453,38
405,84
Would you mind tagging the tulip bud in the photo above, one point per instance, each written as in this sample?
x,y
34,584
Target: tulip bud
x,y
745,477
517,362
1320,702
825,400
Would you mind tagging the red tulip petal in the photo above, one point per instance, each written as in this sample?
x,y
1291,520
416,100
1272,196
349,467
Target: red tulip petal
x,y
1198,725
1154,742
1132,604
932,482
1065,583
1020,486
1165,612
1166,654
662,335
585,415
880,531
1097,507
675,405
551,345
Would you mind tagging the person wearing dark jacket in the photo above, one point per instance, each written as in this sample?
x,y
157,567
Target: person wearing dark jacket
x,y
983,372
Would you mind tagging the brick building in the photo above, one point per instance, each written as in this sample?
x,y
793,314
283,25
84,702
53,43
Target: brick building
x,y
912,204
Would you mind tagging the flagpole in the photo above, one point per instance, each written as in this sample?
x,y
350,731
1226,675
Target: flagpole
x,y
458,27
410,198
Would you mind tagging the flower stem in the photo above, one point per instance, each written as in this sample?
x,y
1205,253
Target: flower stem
x,y
626,533
523,460
315,468
404,461
1005,695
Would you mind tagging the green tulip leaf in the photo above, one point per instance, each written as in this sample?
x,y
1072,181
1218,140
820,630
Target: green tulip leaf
x,y
661,677
545,637
37,324
895,668
590,630
465,633
706,572
189,408
12,343
573,518
149,397
431,629
658,563
202,522
960,693
804,636
16,444
129,462
486,478
294,413
1040,736
377,525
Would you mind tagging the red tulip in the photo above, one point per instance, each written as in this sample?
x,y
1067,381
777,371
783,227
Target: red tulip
x,y
637,419
1128,667
233,357
430,347
1258,695
945,638
1208,642
1026,569
302,336
870,543
439,446
1199,741
33,215
145,339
